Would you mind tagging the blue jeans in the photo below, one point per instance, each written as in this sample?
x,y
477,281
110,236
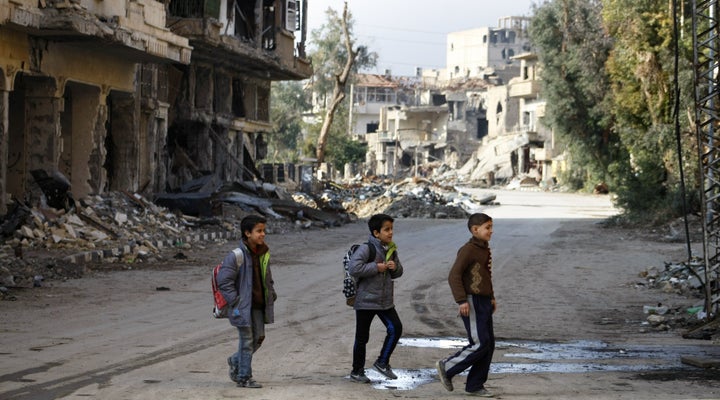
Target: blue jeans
x,y
393,327
250,339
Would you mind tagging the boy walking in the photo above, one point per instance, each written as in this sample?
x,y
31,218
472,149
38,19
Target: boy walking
x,y
246,282
470,281
375,295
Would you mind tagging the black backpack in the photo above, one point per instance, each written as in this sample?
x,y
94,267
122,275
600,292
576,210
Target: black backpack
x,y
349,282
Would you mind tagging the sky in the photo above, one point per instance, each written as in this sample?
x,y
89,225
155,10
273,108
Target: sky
x,y
412,33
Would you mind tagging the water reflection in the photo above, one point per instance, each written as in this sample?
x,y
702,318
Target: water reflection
x,y
580,356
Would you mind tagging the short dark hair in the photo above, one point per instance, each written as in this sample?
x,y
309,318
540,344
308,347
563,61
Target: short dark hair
x,y
478,219
248,223
376,222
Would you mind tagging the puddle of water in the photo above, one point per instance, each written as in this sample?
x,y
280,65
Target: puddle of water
x,y
410,379
577,350
582,356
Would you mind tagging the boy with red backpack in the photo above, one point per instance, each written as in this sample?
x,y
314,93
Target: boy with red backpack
x,y
246,283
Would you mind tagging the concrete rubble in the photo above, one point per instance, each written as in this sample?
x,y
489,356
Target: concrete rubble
x,y
679,279
44,243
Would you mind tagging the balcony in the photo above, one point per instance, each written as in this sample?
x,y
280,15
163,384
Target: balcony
x,y
524,89
238,39
132,29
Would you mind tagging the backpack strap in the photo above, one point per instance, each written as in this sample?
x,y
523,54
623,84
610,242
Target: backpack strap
x,y
372,251
239,256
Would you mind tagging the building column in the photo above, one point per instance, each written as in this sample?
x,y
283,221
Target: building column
x,y
43,142
4,141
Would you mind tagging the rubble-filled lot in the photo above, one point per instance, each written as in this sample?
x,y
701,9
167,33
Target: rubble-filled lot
x,y
45,243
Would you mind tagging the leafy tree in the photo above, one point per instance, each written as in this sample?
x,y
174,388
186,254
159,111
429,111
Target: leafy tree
x,y
288,101
329,53
573,48
641,68
341,149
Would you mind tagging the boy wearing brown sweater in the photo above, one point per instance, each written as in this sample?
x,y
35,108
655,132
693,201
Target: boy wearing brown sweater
x,y
470,281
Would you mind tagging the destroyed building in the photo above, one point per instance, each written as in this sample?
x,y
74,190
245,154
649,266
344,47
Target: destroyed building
x,y
481,116
139,95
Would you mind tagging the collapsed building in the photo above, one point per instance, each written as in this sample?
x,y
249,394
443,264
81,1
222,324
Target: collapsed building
x,y
139,95
480,117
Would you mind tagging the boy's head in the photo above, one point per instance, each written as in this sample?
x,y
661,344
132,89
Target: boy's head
x,y
253,230
480,225
381,226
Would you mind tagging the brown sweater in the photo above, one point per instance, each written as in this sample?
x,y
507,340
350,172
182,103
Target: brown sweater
x,y
471,272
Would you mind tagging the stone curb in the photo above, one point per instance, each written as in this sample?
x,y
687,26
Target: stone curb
x,y
101,255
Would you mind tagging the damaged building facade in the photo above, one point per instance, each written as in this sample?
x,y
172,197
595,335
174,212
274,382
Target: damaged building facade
x,y
480,116
139,95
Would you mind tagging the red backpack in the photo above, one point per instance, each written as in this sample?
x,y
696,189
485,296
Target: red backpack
x,y
222,308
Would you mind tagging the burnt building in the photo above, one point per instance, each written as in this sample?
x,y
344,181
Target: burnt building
x,y
139,95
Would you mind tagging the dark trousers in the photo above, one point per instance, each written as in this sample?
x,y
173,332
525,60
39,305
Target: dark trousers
x,y
363,319
477,355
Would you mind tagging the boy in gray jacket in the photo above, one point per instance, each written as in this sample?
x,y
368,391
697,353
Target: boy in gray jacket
x,y
375,296
246,282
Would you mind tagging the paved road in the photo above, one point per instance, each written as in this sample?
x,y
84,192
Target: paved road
x,y
569,321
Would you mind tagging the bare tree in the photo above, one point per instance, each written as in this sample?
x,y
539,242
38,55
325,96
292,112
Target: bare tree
x,y
338,91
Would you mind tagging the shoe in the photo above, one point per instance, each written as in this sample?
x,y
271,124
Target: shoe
x,y
385,370
248,383
480,393
233,370
442,374
359,377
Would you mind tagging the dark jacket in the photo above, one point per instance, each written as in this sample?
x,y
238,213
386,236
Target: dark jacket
x,y
470,274
235,281
375,290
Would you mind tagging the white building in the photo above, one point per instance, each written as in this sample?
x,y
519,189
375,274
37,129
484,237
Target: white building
x,y
475,52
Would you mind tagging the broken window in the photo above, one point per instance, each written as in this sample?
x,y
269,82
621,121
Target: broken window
x,y
244,17
194,8
372,127
482,128
438,99
263,102
222,102
268,34
360,95
203,88
379,95
238,98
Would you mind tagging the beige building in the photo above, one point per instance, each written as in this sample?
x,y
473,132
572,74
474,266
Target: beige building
x,y
139,95
478,52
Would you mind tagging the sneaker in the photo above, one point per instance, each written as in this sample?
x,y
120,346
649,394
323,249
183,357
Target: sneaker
x,y
440,366
359,377
248,383
385,370
480,393
233,370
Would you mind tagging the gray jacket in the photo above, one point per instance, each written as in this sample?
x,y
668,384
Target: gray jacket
x,y
374,289
235,280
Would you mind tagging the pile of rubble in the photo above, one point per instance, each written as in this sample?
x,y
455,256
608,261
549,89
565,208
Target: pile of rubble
x,y
44,242
683,280
409,198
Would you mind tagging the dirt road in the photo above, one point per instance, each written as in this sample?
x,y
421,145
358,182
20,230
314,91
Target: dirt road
x,y
569,319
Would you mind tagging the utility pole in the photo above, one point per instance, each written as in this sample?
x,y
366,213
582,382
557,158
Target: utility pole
x,y
706,60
